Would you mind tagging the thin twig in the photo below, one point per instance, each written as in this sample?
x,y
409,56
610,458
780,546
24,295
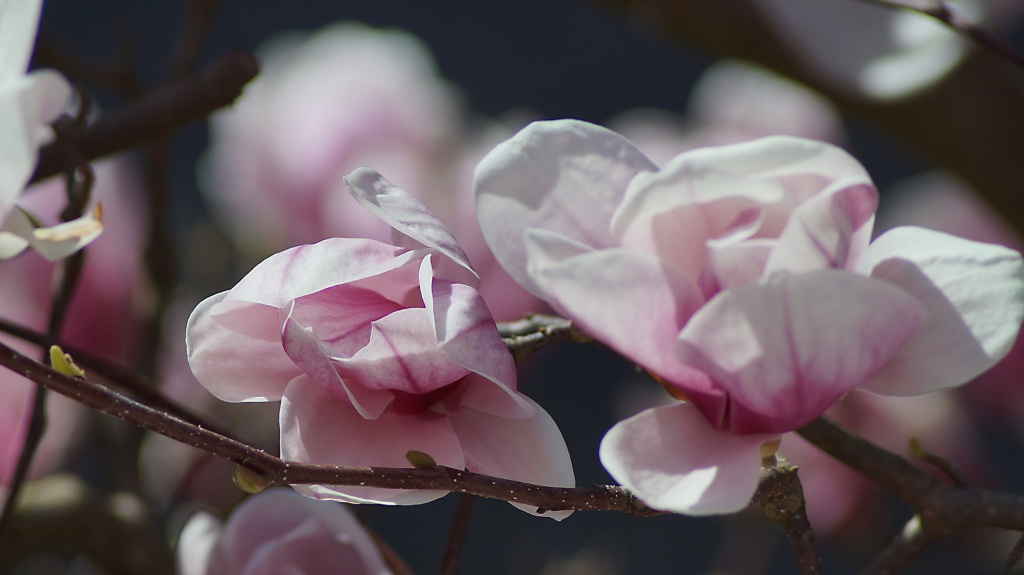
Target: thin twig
x,y
159,113
525,336
942,12
457,535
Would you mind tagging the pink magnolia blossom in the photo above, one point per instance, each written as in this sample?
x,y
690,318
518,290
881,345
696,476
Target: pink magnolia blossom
x,y
374,350
275,532
742,278
325,104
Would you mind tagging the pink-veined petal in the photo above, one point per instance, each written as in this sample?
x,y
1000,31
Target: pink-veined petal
x,y
465,332
241,363
306,350
530,450
821,231
310,268
786,349
671,214
402,355
674,460
316,427
974,294
404,213
652,302
565,176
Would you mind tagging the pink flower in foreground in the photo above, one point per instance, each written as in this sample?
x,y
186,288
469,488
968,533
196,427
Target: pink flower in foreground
x,y
374,351
277,532
742,278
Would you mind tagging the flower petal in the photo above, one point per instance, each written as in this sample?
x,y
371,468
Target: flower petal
x,y
785,350
281,526
310,268
974,294
18,24
240,360
822,232
525,449
466,333
307,351
316,427
60,241
565,176
404,213
674,460
652,302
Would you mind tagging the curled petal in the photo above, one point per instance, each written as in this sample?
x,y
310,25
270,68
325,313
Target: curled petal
x,y
404,213
317,427
652,302
240,359
565,176
673,213
974,294
821,232
308,353
60,241
465,332
787,349
307,269
527,449
674,460
401,355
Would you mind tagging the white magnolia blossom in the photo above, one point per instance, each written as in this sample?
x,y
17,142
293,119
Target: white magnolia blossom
x,y
28,102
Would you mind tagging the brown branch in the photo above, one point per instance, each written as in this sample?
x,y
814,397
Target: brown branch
x,y
942,12
525,336
113,373
279,472
943,508
782,499
158,114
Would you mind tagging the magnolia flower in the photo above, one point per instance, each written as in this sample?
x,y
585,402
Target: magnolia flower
x,y
375,351
742,278
278,531
325,104
28,102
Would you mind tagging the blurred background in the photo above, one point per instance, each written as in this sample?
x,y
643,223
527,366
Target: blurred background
x,y
422,90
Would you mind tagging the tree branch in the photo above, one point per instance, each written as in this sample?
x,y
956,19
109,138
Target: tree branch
x,y
942,12
782,499
525,336
160,113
